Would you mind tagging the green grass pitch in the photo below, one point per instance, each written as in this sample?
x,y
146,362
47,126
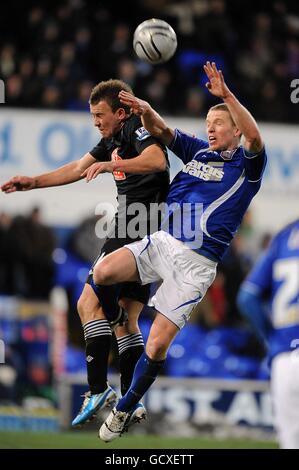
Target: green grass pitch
x,y
87,440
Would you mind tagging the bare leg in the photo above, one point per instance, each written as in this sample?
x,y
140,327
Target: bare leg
x,y
119,266
133,307
162,333
88,306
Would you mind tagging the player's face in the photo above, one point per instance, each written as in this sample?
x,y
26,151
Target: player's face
x,y
222,133
108,122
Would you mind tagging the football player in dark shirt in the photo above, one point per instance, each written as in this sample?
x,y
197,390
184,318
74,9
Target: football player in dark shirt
x,y
139,165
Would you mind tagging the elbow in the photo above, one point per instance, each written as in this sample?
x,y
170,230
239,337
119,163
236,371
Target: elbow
x,y
254,142
162,165
162,133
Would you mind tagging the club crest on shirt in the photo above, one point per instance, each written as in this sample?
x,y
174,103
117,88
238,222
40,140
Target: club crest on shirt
x,y
211,171
228,154
118,175
142,133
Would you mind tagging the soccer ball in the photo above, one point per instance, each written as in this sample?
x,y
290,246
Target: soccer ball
x,y
154,41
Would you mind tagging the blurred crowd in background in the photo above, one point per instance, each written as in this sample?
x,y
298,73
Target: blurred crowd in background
x,y
58,50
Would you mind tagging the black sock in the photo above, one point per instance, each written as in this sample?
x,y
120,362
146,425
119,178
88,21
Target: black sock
x,y
97,334
130,348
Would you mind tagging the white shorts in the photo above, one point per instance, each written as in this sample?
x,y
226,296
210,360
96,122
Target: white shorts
x,y
183,276
285,395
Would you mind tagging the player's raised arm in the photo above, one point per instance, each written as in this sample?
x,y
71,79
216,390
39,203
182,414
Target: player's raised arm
x,y
243,119
151,120
64,175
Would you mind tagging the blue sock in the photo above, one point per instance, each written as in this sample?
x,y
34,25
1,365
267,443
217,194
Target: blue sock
x,y
145,373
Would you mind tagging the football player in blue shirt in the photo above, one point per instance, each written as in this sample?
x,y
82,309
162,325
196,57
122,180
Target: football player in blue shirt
x,y
269,298
206,203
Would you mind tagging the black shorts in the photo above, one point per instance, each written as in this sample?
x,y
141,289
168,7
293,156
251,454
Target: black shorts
x,y
131,290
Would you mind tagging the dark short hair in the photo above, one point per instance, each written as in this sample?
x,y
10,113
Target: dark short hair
x,y
222,107
108,91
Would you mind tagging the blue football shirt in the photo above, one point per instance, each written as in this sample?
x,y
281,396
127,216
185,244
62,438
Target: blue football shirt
x,y
209,196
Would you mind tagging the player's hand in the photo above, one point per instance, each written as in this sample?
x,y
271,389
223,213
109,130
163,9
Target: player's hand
x,y
137,105
216,84
18,183
96,169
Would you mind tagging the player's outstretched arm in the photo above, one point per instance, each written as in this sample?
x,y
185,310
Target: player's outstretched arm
x,y
151,160
151,120
64,175
244,120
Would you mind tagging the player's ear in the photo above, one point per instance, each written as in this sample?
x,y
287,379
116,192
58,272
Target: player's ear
x,y
237,132
121,113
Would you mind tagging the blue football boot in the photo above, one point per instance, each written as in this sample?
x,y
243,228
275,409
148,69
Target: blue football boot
x,y
94,403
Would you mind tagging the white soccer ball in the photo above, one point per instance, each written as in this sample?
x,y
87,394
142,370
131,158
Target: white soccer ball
x,y
154,41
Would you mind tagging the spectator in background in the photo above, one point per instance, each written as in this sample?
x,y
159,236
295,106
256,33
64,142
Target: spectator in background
x,y
49,44
158,90
127,71
7,60
41,80
271,105
40,265
84,241
51,97
32,245
14,90
26,71
35,24
214,32
6,252
121,44
194,102
81,102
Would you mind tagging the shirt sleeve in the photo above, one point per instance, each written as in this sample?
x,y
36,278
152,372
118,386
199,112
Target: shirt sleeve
x,y
186,147
100,153
259,280
252,307
141,138
255,164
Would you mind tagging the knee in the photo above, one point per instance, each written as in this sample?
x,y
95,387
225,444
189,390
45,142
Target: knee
x,y
156,349
102,274
133,309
